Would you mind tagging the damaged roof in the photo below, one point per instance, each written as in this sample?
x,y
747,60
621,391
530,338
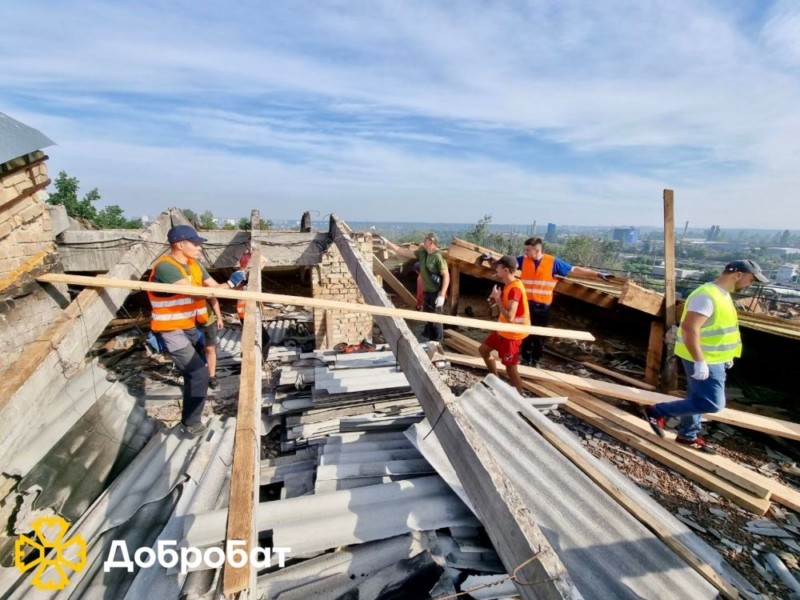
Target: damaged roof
x,y
18,139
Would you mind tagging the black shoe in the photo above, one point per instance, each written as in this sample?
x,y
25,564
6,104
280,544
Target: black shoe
x,y
657,424
213,382
195,429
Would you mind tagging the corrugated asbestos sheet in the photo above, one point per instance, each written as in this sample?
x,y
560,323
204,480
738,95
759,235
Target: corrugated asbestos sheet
x,y
608,553
93,452
18,139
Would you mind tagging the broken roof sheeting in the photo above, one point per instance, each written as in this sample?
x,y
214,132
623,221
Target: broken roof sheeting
x,y
94,451
315,523
608,553
18,139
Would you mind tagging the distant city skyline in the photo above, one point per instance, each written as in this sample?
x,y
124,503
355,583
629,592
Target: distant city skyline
x,y
556,111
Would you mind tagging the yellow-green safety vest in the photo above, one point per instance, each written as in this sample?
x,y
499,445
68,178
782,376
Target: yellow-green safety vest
x,y
719,336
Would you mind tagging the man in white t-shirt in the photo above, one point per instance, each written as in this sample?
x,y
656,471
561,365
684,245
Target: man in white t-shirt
x,y
708,341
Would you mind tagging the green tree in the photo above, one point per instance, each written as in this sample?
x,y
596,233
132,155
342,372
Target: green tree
x,y
243,224
478,234
785,238
207,221
586,251
66,195
190,214
112,217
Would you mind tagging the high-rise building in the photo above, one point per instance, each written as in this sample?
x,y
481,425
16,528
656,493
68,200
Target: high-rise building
x,y
550,236
626,235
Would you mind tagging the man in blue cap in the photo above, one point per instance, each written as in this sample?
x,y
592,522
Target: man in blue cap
x,y
708,342
175,318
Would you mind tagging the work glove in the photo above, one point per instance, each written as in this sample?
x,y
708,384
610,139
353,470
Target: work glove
x,y
700,370
485,256
728,365
237,278
605,276
439,302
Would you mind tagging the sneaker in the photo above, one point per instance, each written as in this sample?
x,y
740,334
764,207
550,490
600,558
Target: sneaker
x,y
657,424
195,429
697,443
213,382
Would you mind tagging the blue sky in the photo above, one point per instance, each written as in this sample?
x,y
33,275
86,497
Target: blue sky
x,y
564,111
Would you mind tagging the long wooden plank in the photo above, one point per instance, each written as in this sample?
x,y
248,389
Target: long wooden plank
x,y
245,472
619,376
732,492
734,472
729,416
397,286
509,523
719,465
640,513
386,311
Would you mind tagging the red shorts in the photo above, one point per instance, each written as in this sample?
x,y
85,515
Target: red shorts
x,y
506,348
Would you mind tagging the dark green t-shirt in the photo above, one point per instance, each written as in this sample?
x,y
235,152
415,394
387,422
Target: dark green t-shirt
x,y
430,263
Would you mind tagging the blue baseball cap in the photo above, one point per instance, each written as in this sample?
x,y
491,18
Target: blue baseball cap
x,y
181,233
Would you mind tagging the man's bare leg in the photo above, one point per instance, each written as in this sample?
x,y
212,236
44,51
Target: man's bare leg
x,y
486,354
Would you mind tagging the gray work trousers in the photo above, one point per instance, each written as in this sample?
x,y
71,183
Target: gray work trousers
x,y
186,351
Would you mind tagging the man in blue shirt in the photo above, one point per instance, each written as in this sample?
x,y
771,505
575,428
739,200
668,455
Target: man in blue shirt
x,y
540,273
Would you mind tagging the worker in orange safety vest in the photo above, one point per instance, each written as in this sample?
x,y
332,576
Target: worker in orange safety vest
x,y
539,274
175,318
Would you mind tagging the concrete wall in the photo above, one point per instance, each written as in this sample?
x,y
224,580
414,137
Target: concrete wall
x,y
331,279
27,250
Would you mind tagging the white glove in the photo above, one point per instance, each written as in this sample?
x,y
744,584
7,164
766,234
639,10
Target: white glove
x,y
729,365
439,302
700,370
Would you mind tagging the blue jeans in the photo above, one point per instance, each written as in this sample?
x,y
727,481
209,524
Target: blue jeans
x,y
706,396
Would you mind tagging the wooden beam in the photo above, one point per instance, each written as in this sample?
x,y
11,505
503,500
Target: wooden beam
x,y
669,371
619,376
397,286
639,512
655,350
245,472
639,298
745,499
455,289
516,537
729,416
475,248
106,282
586,293
719,465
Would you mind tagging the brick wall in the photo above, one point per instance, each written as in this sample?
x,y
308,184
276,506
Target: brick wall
x,y
27,249
331,280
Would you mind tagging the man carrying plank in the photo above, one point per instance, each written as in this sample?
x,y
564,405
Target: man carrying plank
x,y
513,309
708,341
175,318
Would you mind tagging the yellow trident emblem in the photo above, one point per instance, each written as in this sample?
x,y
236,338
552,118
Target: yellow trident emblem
x,y
55,553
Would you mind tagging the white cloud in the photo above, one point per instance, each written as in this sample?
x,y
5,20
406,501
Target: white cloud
x,y
375,91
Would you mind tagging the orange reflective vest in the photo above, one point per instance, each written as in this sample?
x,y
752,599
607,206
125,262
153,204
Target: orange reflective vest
x,y
523,319
539,281
176,311
240,304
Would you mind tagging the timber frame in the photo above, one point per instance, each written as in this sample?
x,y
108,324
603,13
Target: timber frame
x,y
510,525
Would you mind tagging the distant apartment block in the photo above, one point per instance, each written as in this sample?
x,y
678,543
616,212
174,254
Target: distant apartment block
x,y
550,236
626,235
